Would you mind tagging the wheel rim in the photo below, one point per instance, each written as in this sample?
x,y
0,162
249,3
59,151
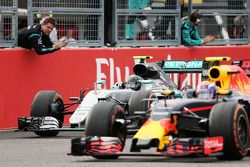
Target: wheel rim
x,y
147,105
58,115
151,96
242,130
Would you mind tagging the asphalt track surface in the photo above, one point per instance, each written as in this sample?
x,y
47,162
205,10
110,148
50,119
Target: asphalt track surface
x,y
25,149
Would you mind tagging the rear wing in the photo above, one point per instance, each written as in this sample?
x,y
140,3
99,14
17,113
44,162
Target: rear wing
x,y
192,66
181,66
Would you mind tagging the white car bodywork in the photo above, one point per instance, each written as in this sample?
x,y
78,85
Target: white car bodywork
x,y
80,114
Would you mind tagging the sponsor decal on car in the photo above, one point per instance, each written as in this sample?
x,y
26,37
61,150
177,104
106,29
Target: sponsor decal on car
x,y
213,144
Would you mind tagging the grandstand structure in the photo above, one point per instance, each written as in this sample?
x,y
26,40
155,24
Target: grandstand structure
x,y
156,23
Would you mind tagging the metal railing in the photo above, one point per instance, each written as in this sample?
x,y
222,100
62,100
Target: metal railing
x,y
8,23
227,20
146,23
82,21
135,23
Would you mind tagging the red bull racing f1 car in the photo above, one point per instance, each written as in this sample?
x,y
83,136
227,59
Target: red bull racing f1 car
x,y
212,120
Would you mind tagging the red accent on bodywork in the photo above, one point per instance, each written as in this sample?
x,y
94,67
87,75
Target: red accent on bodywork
x,y
239,81
171,151
195,149
179,149
184,148
147,122
213,144
246,65
169,125
101,146
199,109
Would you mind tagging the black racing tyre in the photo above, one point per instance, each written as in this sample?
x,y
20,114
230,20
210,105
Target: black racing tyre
x,y
140,101
101,122
41,107
230,120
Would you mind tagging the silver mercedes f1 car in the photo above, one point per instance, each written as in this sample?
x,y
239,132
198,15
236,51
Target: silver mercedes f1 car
x,y
48,108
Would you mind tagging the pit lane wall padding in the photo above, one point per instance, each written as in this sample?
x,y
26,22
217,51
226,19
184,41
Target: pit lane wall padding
x,y
24,73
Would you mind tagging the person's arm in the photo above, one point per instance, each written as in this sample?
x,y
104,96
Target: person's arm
x,y
197,35
208,38
37,44
188,41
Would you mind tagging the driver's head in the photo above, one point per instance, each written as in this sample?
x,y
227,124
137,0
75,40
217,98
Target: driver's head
x,y
133,82
133,78
206,90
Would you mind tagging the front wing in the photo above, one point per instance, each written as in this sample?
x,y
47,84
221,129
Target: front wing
x,y
41,124
179,147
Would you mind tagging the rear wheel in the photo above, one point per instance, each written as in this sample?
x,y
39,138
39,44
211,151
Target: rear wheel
x,y
48,103
107,119
229,120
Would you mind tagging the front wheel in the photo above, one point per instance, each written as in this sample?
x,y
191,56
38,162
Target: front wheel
x,y
107,119
230,120
48,103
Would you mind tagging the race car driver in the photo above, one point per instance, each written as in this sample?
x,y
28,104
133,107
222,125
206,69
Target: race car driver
x,y
206,90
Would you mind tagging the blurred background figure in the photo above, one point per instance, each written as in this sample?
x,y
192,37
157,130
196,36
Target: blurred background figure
x,y
189,31
239,27
71,35
233,24
164,26
130,25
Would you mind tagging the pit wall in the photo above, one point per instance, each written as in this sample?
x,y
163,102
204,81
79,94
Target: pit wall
x,y
24,73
